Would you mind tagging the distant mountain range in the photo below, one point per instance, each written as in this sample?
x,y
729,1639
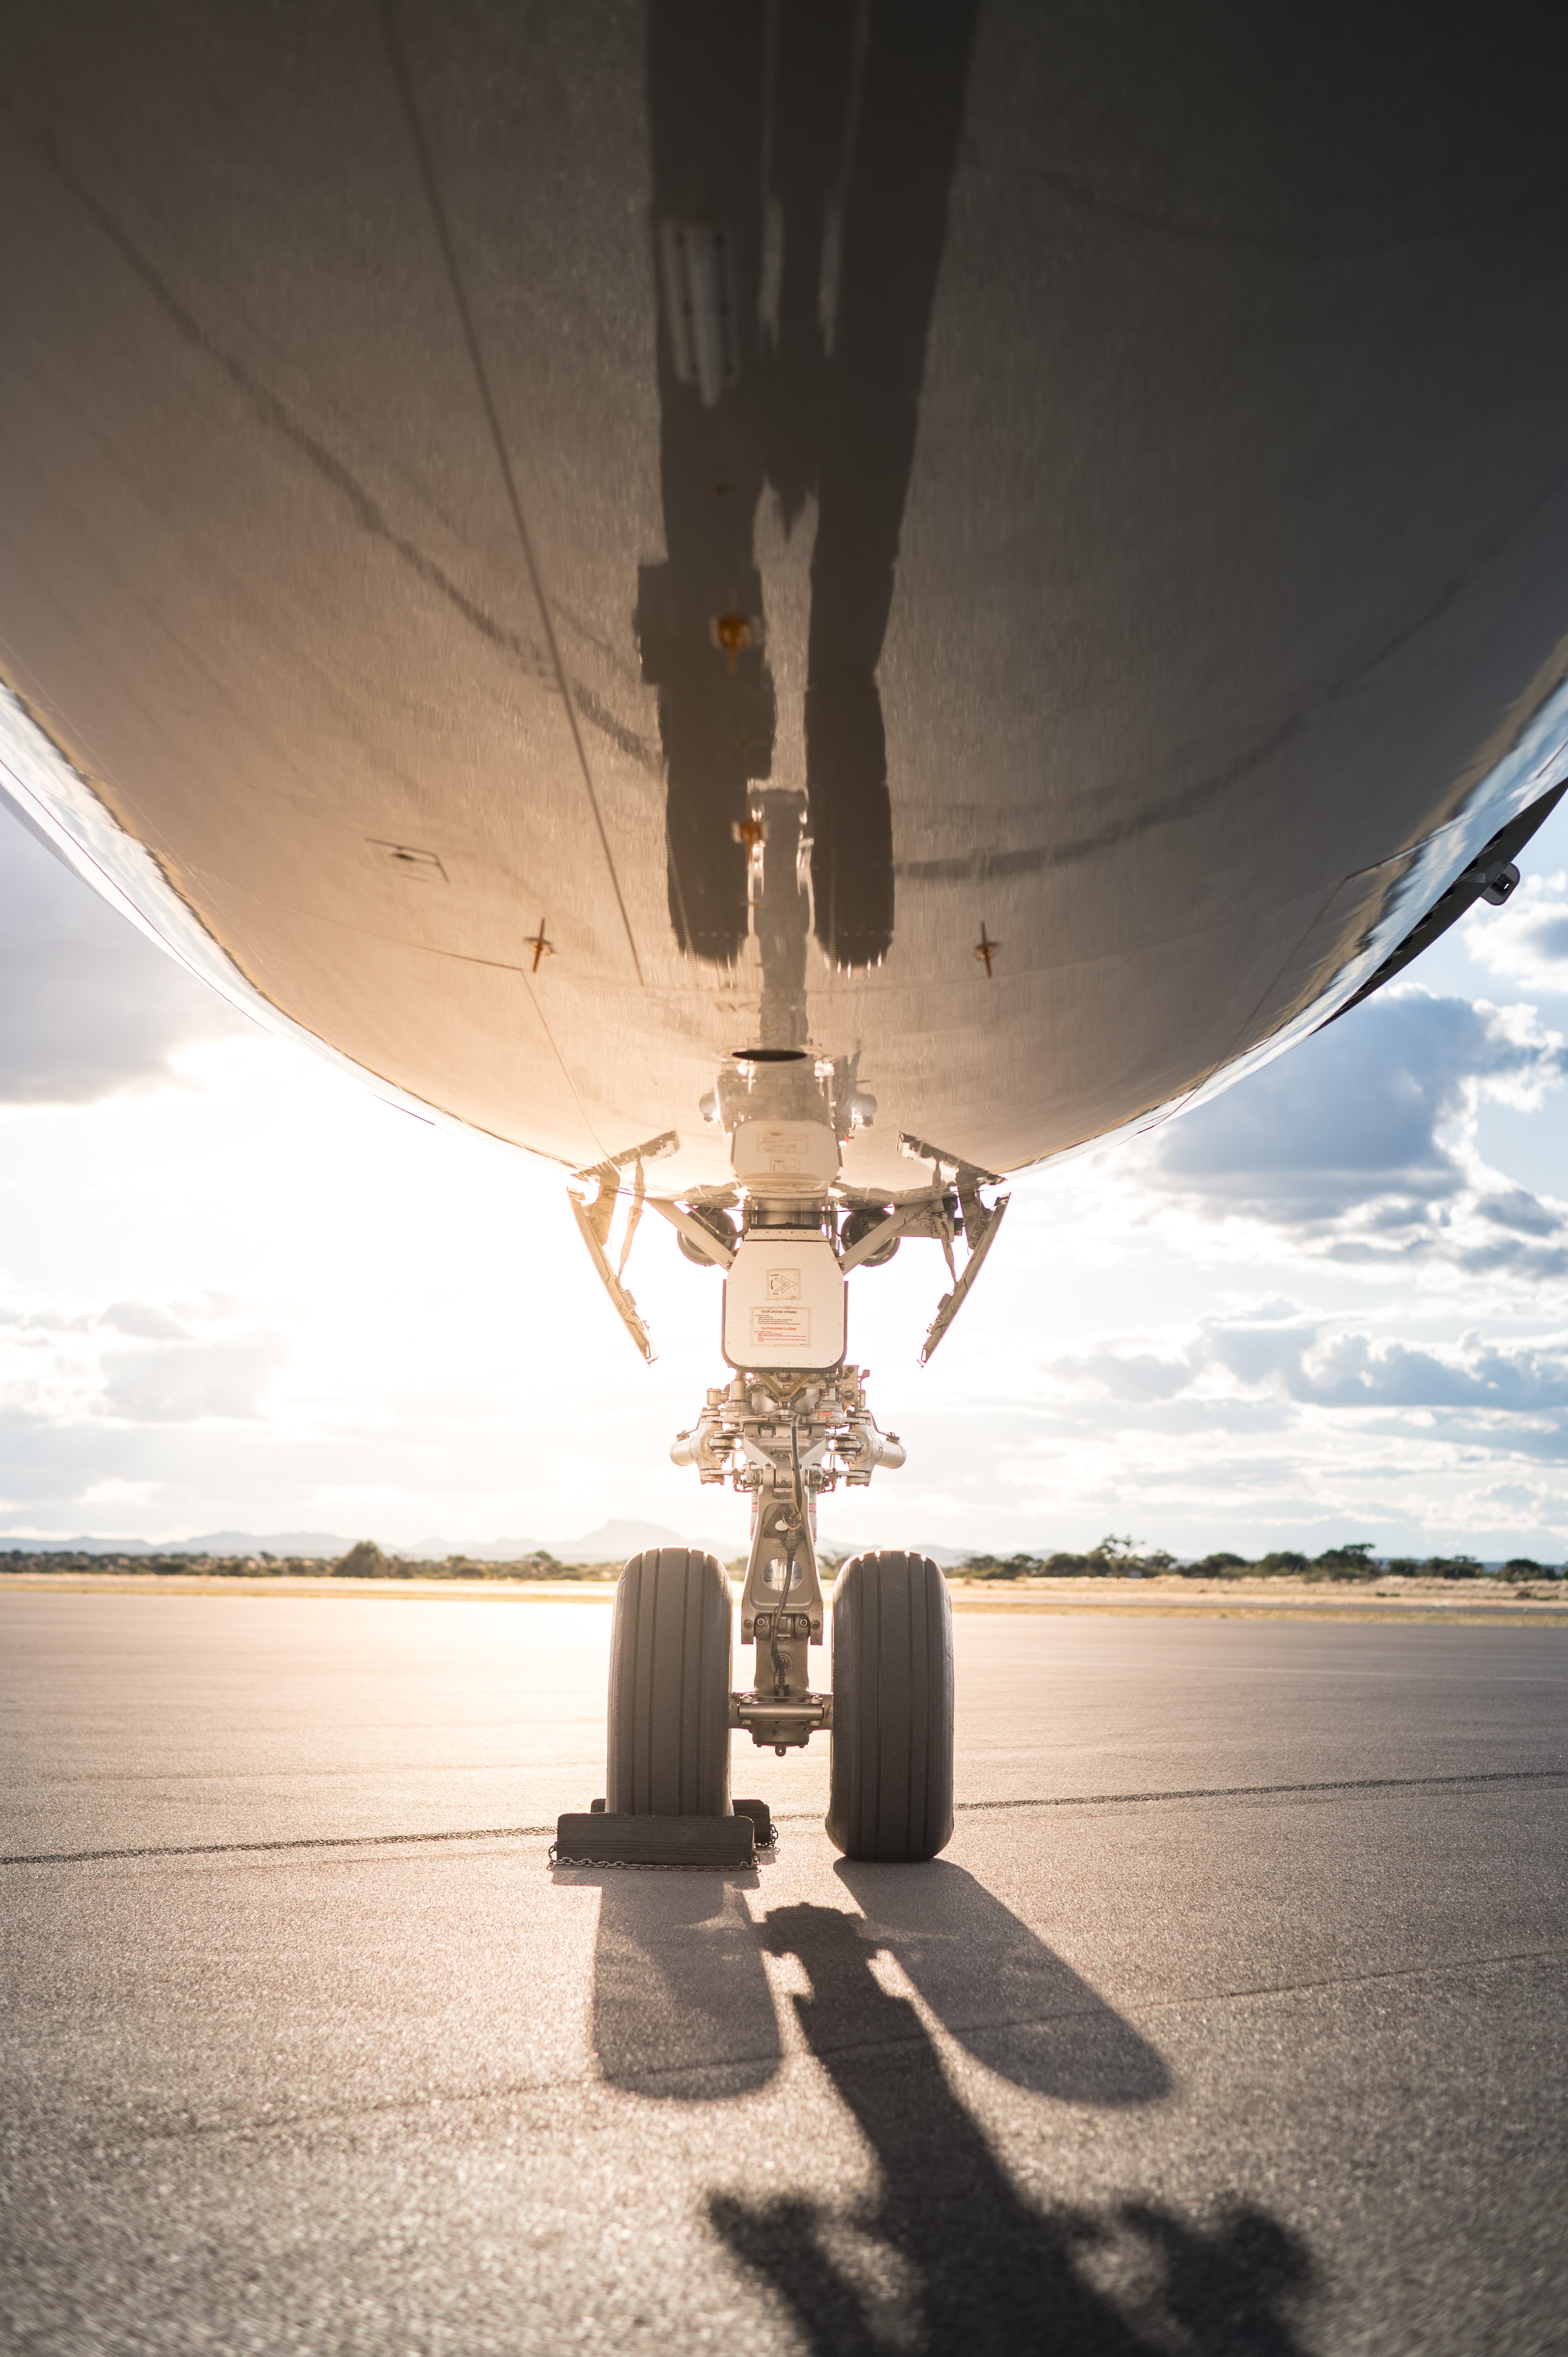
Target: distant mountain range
x,y
610,1539
603,1546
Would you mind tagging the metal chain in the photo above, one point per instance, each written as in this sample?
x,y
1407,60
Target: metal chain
x,y
659,1866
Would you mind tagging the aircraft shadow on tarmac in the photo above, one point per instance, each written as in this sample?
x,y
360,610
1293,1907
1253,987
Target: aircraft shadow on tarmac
x,y
998,1990
683,2008
682,2005
947,2255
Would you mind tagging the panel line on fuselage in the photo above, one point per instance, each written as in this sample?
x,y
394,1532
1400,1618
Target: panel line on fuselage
x,y
403,82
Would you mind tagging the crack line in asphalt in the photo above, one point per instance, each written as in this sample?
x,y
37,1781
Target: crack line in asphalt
x,y
310,1841
794,1817
521,2090
1242,1791
1358,1980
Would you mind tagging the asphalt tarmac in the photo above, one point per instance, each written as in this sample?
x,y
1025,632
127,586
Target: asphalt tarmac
x,y
1230,2023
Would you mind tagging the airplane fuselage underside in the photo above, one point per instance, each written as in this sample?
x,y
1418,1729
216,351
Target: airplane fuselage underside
x,y
1006,556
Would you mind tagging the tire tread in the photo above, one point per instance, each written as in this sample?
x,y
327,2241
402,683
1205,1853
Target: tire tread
x,y
892,1745
669,1682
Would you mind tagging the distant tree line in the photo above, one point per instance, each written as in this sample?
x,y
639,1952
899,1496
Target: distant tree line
x,y
364,1560
218,1567
1112,1558
1121,1558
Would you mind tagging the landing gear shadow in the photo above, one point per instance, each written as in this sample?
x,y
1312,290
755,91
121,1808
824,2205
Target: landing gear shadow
x,y
1007,1998
979,2269
683,2010
949,2256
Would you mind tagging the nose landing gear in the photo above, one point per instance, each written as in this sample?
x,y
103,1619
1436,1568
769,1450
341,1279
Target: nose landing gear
x,y
786,1437
782,1431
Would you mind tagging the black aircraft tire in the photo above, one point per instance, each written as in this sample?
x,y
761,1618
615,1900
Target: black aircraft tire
x,y
669,1686
891,1795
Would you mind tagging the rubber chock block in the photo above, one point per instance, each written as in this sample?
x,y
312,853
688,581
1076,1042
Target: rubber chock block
x,y
599,1838
762,1816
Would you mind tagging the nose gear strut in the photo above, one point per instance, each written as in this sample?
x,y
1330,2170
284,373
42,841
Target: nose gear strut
x,y
784,1439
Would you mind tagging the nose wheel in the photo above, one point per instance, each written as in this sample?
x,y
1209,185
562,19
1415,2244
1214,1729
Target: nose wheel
x,y
890,1712
669,1688
891,1796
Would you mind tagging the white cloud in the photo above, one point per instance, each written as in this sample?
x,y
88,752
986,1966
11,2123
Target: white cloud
x,y
1354,1369
1525,944
183,1383
117,1495
144,1321
89,1008
1360,1146
1343,1365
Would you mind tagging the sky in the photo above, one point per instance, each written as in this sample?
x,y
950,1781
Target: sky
x,y
238,1292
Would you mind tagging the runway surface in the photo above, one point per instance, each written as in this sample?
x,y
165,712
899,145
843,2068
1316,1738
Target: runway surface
x,y
1230,2023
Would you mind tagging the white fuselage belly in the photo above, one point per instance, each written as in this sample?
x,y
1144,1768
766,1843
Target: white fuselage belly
x,y
1229,568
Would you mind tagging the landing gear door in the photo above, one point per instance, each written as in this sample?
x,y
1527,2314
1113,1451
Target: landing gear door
x,y
784,1303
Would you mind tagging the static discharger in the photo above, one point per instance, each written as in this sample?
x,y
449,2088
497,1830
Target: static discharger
x,y
985,948
541,946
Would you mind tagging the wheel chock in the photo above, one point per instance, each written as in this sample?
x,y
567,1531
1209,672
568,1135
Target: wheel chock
x,y
597,1837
